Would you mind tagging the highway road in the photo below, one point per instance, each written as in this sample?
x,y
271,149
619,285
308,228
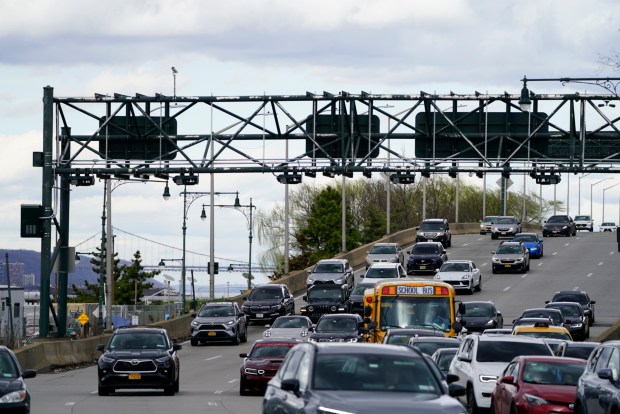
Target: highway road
x,y
210,374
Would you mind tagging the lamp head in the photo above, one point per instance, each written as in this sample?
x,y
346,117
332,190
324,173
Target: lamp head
x,y
77,258
162,264
166,194
237,203
203,215
525,102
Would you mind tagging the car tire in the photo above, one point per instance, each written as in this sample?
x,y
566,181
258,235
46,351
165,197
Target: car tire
x,y
242,390
103,391
450,242
479,287
237,338
169,390
527,268
472,407
586,332
493,236
193,342
177,384
244,338
494,271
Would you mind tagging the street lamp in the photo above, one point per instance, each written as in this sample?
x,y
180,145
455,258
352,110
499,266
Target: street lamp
x,y
579,196
605,189
591,186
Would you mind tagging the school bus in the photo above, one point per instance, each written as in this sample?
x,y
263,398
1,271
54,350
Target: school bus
x,y
408,303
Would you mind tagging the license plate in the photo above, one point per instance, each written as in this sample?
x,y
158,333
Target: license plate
x,y
506,265
259,315
503,232
134,376
556,231
422,267
211,334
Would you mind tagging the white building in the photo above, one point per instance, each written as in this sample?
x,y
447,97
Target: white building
x,y
17,309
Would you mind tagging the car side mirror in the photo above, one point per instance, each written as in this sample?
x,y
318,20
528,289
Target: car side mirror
x,y
547,301
457,326
245,298
193,315
508,379
100,347
461,308
417,228
243,355
456,390
29,373
305,298
592,302
291,385
177,347
367,311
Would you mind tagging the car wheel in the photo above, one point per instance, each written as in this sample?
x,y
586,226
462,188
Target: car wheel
x,y
592,321
586,331
237,338
103,391
242,388
244,338
193,342
472,407
471,289
493,236
169,390
450,242
479,287
528,266
177,384
542,253
494,271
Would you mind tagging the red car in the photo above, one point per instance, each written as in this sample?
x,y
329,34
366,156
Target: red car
x,y
262,363
537,384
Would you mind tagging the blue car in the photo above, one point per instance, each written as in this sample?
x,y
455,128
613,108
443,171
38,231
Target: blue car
x,y
533,243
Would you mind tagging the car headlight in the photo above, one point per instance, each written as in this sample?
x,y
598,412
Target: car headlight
x,y
487,378
520,259
534,400
106,359
275,307
312,340
436,276
564,227
245,307
490,323
230,322
340,280
13,397
351,340
496,260
303,333
533,249
465,276
576,325
251,371
310,280
195,323
333,308
163,360
267,333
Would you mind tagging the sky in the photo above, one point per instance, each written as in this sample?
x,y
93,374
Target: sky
x,y
270,47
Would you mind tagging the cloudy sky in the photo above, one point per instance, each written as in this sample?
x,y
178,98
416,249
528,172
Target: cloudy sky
x,y
268,46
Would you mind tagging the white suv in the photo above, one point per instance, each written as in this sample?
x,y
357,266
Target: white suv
x,y
584,223
481,359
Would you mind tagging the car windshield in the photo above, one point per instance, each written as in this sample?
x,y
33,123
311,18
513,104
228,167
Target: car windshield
x,y
568,310
271,350
328,268
505,221
381,273
555,317
215,311
609,224
7,366
265,293
429,348
488,219
284,322
320,292
570,297
509,249
554,373
455,267
432,225
582,218
336,325
525,238
415,312
375,372
444,359
557,219
578,351
138,340
425,249
360,288
505,351
545,334
478,310
383,249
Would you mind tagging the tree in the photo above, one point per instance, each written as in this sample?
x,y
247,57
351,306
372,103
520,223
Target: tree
x,y
132,281
89,293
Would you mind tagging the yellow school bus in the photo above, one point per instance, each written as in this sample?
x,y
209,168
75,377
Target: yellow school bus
x,y
408,303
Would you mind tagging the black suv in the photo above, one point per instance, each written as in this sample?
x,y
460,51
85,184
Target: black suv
x,y
219,321
323,299
268,301
139,357
557,225
576,321
580,297
344,327
426,257
355,303
434,230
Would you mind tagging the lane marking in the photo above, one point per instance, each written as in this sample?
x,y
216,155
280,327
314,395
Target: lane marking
x,y
481,238
576,288
589,274
484,264
212,403
212,358
232,381
554,253
466,244
540,264
600,264
578,238
566,244
507,288
610,253
524,276
70,403
218,392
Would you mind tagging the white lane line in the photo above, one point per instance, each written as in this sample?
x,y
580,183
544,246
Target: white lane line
x,y
589,274
232,381
600,263
212,358
212,403
481,238
70,403
578,238
566,244
554,253
576,288
466,244
610,253
483,264
507,288
524,276
218,392
540,264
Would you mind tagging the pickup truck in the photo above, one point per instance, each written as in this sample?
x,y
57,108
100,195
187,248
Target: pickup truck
x,y
584,223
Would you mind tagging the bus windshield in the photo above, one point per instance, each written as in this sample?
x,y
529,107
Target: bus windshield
x,y
415,312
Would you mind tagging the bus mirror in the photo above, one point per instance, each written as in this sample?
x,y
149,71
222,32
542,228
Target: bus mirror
x,y
461,308
366,320
367,311
457,327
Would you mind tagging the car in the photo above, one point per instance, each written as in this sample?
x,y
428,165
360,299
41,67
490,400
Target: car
x,y
139,357
262,362
426,257
580,297
505,226
510,256
555,315
537,385
361,378
267,302
574,318
355,302
434,230
462,274
481,359
401,336
218,322
294,326
598,389
343,327
531,321
324,299
14,394
532,242
385,253
559,225
430,344
443,357
486,223
385,271
335,271
573,349
476,316
543,330
584,223
607,226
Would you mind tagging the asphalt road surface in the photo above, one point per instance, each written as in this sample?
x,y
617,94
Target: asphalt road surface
x,y
210,373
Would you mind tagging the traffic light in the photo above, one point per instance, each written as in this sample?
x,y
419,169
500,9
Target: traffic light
x,y
81,180
402,178
289,178
191,179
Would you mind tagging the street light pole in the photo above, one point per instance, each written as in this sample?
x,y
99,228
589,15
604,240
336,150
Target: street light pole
x,y
592,186
605,189
579,194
